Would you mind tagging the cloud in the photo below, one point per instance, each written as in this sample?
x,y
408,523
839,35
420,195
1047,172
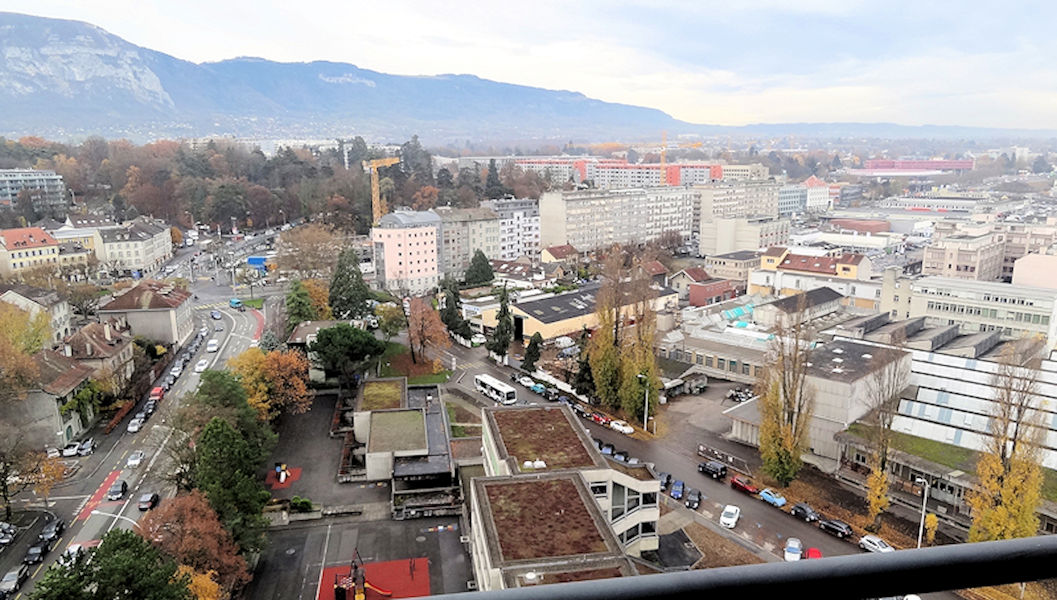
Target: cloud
x,y
726,63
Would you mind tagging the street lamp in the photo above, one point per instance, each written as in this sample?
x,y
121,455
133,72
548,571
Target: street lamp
x,y
116,516
645,401
924,499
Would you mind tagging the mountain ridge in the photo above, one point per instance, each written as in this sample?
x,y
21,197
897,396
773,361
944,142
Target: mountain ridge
x,y
69,78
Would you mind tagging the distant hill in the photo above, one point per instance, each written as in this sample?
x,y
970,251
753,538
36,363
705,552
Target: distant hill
x,y
68,79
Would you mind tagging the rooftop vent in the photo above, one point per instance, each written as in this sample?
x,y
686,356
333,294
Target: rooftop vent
x,y
867,356
539,464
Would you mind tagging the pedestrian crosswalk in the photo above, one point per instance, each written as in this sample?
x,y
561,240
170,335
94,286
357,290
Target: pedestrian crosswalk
x,y
211,306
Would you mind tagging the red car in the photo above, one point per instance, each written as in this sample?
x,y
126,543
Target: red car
x,y
812,553
600,419
743,484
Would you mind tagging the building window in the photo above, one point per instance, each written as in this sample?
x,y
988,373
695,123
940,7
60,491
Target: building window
x,y
600,489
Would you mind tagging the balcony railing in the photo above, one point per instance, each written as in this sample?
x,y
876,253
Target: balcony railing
x,y
846,577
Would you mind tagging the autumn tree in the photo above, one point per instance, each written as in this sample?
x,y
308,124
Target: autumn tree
x,y
786,400
124,565
299,306
1008,471
275,382
203,586
177,236
499,343
51,472
424,328
932,523
348,292
345,350
21,336
888,376
188,529
319,295
17,457
308,251
425,198
83,299
480,269
532,352
390,320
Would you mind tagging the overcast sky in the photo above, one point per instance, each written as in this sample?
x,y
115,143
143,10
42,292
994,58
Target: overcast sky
x,y
733,62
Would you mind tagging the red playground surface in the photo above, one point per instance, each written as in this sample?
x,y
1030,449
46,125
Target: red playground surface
x,y
404,578
272,480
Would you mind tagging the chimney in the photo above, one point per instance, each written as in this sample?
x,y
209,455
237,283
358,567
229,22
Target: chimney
x,y
67,349
106,331
88,349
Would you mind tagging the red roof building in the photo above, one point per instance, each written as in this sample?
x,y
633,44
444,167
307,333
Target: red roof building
x,y
26,248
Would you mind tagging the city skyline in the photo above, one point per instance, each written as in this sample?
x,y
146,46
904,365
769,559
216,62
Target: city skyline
x,y
820,61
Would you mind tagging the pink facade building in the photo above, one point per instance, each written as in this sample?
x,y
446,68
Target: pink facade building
x,y
405,251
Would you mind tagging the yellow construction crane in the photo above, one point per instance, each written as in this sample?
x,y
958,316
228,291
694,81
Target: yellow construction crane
x,y
377,204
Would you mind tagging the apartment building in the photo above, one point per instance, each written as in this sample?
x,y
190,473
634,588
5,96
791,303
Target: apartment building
x,y
725,235
792,199
36,300
405,251
975,306
734,199
26,248
142,245
818,199
964,256
735,266
519,227
48,192
1018,239
1036,270
743,172
618,176
783,273
462,232
595,219
155,310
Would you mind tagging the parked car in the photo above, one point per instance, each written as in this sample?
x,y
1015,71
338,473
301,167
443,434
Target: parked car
x,y
52,452
872,543
551,394
148,501
677,489
621,456
607,449
693,498
743,484
665,479
70,554
149,407
622,427
156,394
714,469
600,418
118,490
794,548
52,530
581,411
135,459
526,381
538,388
204,331
812,553
177,370
802,510
201,365
36,552
87,447
565,400
70,449
12,582
836,527
772,497
135,425
729,517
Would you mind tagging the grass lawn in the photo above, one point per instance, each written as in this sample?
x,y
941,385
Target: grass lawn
x,y
257,303
380,395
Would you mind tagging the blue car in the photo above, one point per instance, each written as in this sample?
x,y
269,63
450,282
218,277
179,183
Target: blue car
x,y
538,388
772,497
677,489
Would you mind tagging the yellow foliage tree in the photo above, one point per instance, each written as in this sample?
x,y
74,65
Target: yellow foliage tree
x,y
932,523
877,494
203,585
1008,472
249,367
319,293
21,336
51,473
275,381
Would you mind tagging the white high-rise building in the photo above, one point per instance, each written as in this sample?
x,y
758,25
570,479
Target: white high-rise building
x,y
519,227
594,219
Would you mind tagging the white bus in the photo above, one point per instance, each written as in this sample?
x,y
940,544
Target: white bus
x,y
495,389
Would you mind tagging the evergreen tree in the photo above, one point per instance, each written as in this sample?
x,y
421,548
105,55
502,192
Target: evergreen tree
x,y
480,270
348,292
493,187
451,314
226,474
503,333
584,383
444,179
532,353
299,307
270,341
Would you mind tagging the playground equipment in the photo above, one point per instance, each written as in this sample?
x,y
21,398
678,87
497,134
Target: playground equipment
x,y
356,581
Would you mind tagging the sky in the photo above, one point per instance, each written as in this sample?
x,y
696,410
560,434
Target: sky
x,y
731,63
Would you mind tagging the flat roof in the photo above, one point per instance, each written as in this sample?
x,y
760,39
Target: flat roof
x,y
546,433
542,518
569,305
438,457
846,360
397,430
737,255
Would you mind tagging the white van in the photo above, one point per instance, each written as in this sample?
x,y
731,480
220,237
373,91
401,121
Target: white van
x,y
213,346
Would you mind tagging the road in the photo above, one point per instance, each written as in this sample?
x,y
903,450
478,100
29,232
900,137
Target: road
x,y
75,500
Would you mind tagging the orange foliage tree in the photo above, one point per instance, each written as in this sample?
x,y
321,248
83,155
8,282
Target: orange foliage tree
x,y
425,328
425,198
187,529
275,381
319,293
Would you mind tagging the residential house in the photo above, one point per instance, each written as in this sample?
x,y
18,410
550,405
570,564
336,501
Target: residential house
x,y
155,310
25,249
681,280
39,416
106,348
34,300
564,254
